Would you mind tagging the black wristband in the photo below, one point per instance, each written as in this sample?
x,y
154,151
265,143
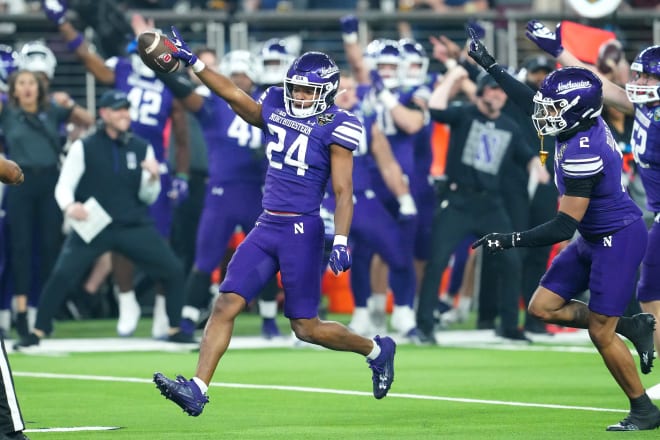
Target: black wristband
x,y
560,228
179,83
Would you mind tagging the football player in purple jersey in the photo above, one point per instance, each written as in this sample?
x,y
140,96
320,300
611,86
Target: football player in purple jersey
x,y
384,86
605,257
308,141
152,105
640,98
373,227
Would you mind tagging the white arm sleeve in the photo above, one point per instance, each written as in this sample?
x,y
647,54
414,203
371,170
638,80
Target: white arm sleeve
x,y
149,189
72,170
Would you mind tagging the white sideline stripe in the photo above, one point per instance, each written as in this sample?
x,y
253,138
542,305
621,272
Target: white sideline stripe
x,y
75,429
573,342
324,391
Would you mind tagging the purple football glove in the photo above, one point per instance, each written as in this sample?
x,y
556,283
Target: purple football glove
x,y
183,52
349,24
477,50
55,10
340,259
179,190
544,38
377,82
478,29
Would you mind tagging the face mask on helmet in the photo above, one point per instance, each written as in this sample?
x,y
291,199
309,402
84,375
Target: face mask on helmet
x,y
385,57
645,69
37,57
415,63
8,64
275,61
566,98
240,61
316,72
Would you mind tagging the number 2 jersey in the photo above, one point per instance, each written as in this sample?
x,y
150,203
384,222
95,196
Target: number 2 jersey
x,y
587,154
298,152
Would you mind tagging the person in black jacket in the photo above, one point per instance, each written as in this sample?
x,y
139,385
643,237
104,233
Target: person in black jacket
x,y
119,171
482,140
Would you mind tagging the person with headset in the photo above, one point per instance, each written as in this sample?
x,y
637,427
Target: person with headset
x,y
482,140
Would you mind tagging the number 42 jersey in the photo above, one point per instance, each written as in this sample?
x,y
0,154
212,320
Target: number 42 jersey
x,y
298,152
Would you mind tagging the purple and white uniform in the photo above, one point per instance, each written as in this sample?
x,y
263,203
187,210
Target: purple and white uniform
x,y
612,231
645,143
237,167
298,151
375,230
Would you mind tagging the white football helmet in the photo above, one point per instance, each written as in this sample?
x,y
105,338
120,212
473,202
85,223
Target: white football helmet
x,y
240,61
35,56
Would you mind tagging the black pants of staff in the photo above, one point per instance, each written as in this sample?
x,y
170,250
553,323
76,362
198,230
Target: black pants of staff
x,y
457,216
33,213
11,418
141,244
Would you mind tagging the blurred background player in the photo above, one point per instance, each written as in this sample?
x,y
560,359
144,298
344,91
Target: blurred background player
x,y
378,72
373,227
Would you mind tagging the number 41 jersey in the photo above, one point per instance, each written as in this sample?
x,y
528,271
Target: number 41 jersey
x,y
298,151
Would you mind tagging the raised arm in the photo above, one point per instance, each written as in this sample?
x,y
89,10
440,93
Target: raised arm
x,y
392,173
56,12
550,42
349,34
242,103
519,93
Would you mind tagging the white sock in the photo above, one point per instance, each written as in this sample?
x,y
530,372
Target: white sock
x,y
464,305
377,301
268,309
191,313
127,297
200,383
360,314
374,352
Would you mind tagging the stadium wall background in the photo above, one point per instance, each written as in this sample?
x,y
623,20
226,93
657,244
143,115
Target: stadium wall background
x,y
318,30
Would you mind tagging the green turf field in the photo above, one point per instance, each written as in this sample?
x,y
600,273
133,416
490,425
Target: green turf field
x,y
288,393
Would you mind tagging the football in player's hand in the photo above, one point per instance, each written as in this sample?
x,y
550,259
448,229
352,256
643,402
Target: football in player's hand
x,y
155,50
10,172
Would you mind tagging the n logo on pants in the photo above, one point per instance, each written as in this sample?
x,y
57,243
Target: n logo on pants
x,y
299,228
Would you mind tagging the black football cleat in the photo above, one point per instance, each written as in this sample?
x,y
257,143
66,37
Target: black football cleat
x,y
642,339
637,422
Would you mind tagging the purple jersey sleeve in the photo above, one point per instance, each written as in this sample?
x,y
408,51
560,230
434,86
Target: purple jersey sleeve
x,y
363,161
645,143
298,152
588,154
234,147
